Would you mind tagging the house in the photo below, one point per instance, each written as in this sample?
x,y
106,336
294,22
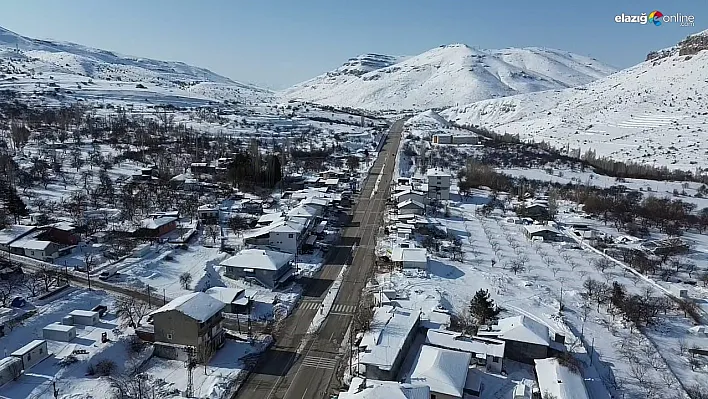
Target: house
x,y
410,258
270,268
199,168
84,317
305,211
374,389
560,381
442,138
287,236
10,369
444,371
63,233
537,210
59,332
252,206
32,353
406,195
42,250
235,300
384,347
189,322
157,227
410,207
438,184
526,339
541,232
208,214
461,139
13,233
486,352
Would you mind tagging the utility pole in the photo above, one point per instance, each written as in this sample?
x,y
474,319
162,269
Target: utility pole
x,y
164,297
149,302
88,275
54,387
189,392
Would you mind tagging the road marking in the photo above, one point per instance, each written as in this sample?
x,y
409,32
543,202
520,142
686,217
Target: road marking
x,y
309,305
319,362
344,308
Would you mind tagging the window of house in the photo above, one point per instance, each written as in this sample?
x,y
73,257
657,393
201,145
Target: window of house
x,y
29,356
290,235
169,336
40,351
495,359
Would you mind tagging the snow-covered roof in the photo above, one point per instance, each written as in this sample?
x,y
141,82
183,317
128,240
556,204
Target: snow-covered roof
x,y
10,360
197,305
559,380
270,217
456,341
315,201
156,223
38,245
520,329
64,226
59,327
409,255
289,226
14,232
536,228
27,348
260,259
303,210
374,389
385,340
410,202
331,182
83,313
443,370
437,172
208,207
225,294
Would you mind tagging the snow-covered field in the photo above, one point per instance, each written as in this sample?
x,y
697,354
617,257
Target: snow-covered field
x,y
446,76
651,113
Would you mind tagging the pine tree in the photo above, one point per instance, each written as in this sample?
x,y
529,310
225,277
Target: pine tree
x,y
482,307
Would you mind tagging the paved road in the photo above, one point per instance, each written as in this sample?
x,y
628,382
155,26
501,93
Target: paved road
x,y
298,366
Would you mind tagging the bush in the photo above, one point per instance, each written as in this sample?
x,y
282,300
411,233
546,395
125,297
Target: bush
x,y
105,367
135,344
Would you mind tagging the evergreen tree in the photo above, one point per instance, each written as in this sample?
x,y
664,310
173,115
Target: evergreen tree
x,y
482,308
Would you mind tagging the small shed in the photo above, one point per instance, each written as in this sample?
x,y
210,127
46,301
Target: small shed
x,y
59,332
84,317
32,353
10,369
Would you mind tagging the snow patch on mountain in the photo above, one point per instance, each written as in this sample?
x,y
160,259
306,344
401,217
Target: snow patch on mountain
x,y
446,76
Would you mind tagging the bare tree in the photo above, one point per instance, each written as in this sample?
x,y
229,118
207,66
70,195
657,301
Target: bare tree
x,y
213,232
131,310
47,277
32,283
555,270
602,264
185,279
7,289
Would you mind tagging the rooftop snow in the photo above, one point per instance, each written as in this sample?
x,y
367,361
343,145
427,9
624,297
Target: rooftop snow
x,y
456,341
14,232
443,370
520,329
437,172
197,305
28,347
225,294
385,340
373,389
535,228
38,245
409,202
409,255
559,381
158,222
260,259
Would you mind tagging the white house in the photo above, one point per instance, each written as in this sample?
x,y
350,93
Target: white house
x,y
13,233
438,184
384,347
38,249
406,195
32,353
270,268
59,332
375,389
559,381
444,371
84,317
410,207
410,258
526,339
287,236
208,212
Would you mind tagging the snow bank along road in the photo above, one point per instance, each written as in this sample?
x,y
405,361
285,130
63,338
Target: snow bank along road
x,y
302,366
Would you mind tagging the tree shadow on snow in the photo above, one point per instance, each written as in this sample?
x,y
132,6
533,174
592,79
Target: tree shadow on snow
x,y
444,270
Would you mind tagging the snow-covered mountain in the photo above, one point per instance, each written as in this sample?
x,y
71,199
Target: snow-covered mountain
x,y
26,64
655,112
446,76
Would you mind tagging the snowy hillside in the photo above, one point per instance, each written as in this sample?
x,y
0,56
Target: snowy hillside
x,y
446,76
28,65
653,113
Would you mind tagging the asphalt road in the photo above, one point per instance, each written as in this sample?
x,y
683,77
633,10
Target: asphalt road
x,y
298,366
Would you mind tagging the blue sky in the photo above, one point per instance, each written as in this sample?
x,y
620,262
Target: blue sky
x,y
277,43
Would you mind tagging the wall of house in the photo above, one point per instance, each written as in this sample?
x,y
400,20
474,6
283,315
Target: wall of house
x,y
267,277
438,395
433,192
173,327
34,356
286,242
524,352
63,336
9,371
495,367
415,265
412,210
